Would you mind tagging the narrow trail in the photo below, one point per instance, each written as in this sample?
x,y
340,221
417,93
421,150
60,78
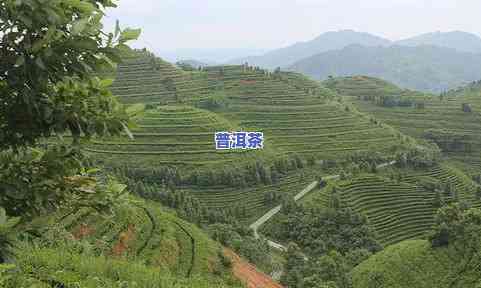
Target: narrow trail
x,y
248,273
271,213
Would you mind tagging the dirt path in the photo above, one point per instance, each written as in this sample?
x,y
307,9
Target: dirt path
x,y
248,274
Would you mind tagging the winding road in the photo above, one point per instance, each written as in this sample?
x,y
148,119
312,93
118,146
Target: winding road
x,y
271,213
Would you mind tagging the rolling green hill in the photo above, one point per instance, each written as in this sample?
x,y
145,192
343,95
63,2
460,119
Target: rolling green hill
x,y
300,119
414,264
455,130
140,243
144,78
400,203
170,135
296,114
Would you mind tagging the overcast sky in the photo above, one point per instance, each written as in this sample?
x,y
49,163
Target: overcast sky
x,y
172,24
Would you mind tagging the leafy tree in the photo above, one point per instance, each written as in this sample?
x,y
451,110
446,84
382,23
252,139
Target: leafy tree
x,y
49,52
332,268
293,275
459,230
51,56
241,239
319,230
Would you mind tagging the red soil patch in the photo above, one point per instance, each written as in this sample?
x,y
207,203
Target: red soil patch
x,y
82,231
124,241
248,273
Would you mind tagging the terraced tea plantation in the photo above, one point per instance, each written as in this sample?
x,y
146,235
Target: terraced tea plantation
x,y
457,112
170,135
144,78
299,120
298,117
404,207
251,201
144,243
397,211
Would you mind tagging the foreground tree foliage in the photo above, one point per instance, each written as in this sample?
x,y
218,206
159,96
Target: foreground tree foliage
x,y
49,52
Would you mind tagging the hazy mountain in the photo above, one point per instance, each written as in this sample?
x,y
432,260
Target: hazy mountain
x,y
458,40
426,68
208,56
328,41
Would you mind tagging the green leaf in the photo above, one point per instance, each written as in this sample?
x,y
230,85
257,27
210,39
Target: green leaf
x,y
93,171
87,44
117,187
129,34
123,48
83,6
79,26
105,83
37,154
134,110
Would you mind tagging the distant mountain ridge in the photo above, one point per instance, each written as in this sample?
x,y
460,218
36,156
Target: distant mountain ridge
x,y
337,40
286,56
459,40
425,68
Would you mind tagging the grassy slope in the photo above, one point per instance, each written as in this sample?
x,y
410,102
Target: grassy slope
x,y
414,264
440,113
296,114
141,243
401,208
171,135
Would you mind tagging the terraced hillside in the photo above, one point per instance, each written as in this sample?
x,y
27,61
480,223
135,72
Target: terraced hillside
x,y
144,78
397,211
295,113
421,113
252,201
299,120
170,135
402,207
141,243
